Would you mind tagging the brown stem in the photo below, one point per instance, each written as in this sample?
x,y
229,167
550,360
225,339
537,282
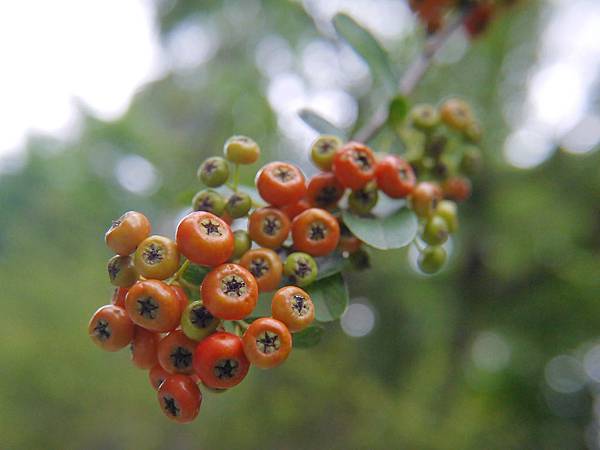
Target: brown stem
x,y
413,75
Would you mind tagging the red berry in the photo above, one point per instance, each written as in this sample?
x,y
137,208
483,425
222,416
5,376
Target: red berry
x,y
180,398
354,165
280,183
220,361
395,176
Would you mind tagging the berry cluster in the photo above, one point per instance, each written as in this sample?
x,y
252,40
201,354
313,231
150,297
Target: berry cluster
x,y
477,17
189,334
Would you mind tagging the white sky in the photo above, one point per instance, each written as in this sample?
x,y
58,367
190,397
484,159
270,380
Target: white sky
x,y
55,53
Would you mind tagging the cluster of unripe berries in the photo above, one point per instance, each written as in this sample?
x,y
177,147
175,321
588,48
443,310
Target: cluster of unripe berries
x,y
213,341
479,13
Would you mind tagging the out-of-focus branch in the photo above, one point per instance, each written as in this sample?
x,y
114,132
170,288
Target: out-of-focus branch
x,y
413,75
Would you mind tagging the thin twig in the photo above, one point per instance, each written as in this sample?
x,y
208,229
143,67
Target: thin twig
x,y
413,75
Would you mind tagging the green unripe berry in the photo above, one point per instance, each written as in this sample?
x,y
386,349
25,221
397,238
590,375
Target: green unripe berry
x,y
435,231
447,210
473,131
301,268
121,271
323,150
241,150
432,259
197,322
362,201
456,113
241,243
471,161
425,117
238,205
209,200
214,171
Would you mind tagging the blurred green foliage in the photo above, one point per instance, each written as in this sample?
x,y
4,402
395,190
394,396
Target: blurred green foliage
x,y
525,266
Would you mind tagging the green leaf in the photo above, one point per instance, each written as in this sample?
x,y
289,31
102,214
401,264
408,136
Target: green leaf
x,y
363,42
194,274
330,265
319,123
263,305
330,297
394,231
398,110
309,337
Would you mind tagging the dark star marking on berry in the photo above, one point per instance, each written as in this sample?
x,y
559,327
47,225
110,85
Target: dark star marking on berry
x,y
283,173
268,341
211,228
101,330
327,196
325,147
147,307
364,196
200,317
299,305
258,267
206,204
113,269
317,232
226,368
153,254
362,161
303,269
171,406
271,225
209,167
234,286
181,358
234,200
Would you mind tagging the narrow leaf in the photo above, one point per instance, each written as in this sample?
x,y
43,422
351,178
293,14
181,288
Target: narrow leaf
x,y
363,42
309,337
319,123
394,231
330,297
